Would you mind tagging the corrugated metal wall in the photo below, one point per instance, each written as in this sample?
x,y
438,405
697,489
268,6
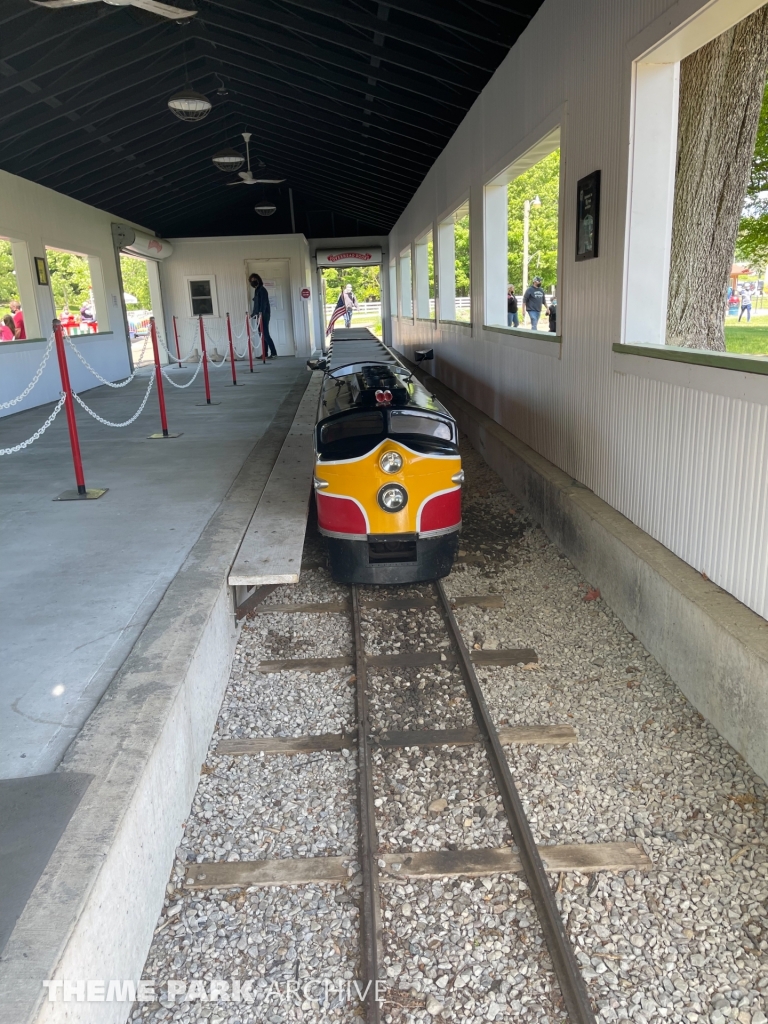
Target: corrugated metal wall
x,y
687,462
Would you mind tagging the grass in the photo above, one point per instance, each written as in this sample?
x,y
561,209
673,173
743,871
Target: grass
x,y
747,339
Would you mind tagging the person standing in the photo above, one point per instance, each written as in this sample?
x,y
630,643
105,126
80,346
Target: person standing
x,y
553,312
512,319
534,300
350,304
746,305
7,328
18,319
261,308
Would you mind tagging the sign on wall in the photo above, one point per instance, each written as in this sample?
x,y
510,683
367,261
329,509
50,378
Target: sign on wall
x,y
349,257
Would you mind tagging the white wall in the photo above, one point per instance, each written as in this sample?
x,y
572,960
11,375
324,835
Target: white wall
x,y
225,258
681,450
34,217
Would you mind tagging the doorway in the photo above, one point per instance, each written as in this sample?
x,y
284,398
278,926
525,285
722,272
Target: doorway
x,y
276,275
366,287
141,296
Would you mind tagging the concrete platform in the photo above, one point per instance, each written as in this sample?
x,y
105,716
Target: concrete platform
x,y
92,911
80,579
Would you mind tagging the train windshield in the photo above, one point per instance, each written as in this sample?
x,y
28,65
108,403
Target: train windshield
x,y
406,422
361,425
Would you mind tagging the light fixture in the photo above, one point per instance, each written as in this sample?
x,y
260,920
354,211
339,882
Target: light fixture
x,y
265,208
391,462
535,201
392,497
228,160
189,105
222,90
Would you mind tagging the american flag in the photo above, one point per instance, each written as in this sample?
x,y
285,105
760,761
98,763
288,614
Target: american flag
x,y
337,314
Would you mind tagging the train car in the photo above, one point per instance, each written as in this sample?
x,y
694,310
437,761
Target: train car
x,y
388,473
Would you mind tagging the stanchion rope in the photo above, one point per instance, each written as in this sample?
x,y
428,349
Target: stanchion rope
x,y
212,362
96,374
108,423
190,381
37,433
35,379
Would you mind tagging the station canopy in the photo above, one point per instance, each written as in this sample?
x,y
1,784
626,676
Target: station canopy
x,y
349,101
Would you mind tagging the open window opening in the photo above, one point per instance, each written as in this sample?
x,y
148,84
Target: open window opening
x,y
697,240
424,259
454,276
77,288
356,289
12,327
393,288
406,284
522,217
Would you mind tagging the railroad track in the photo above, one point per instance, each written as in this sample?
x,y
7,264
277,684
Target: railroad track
x,y
382,868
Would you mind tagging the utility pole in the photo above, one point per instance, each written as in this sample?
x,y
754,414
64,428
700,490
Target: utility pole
x,y
526,231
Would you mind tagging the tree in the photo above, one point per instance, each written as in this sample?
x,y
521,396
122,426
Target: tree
x,y
461,243
70,279
8,288
721,91
752,241
542,180
364,281
136,280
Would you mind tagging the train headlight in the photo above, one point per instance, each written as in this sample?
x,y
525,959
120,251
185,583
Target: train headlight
x,y
391,462
392,497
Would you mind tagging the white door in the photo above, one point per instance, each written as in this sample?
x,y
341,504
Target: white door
x,y
276,275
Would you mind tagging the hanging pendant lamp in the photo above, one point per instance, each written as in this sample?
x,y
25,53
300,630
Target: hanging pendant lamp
x,y
189,105
228,160
265,208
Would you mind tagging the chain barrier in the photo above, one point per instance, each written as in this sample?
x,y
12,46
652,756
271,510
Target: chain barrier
x,y
37,433
170,380
96,373
215,344
35,379
108,423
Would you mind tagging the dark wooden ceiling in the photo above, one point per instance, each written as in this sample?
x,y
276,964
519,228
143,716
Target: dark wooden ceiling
x,y
350,100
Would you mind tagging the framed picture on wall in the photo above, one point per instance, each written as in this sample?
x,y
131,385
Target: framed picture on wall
x,y
42,270
588,216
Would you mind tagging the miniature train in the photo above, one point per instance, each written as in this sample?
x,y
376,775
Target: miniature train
x,y
388,473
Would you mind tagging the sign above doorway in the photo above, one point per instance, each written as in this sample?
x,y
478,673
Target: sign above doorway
x,y
349,257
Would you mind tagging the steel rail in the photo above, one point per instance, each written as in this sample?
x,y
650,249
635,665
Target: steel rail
x,y
569,977
371,929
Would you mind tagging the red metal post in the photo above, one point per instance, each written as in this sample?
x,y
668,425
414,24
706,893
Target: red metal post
x,y
204,357
250,345
263,343
176,336
69,405
158,377
231,351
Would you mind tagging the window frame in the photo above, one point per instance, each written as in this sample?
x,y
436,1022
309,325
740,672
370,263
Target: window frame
x,y
406,254
421,255
211,279
445,276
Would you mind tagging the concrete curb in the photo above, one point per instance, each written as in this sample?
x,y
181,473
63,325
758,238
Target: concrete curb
x,y
92,914
713,646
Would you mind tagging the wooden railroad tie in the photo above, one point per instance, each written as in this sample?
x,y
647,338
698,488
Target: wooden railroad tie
x,y
558,735
587,858
390,604
405,659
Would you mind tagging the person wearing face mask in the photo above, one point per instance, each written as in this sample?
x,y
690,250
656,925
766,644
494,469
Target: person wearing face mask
x,y
261,308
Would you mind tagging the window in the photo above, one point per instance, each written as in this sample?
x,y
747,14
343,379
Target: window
x,y
393,288
406,285
522,214
454,266
697,244
202,296
425,277
72,281
9,293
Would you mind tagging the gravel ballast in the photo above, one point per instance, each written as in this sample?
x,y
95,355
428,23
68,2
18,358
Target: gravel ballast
x,y
684,942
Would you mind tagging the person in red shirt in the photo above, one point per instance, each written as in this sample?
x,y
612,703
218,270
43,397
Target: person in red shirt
x,y
7,328
18,319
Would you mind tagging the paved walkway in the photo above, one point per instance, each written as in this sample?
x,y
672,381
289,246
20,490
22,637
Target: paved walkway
x,y
79,580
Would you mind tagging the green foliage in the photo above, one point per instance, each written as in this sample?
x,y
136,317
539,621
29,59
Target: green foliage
x,y
70,279
461,242
542,180
136,280
364,281
747,339
752,240
8,288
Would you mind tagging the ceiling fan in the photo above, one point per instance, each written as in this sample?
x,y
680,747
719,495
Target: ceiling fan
x,y
247,177
154,6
